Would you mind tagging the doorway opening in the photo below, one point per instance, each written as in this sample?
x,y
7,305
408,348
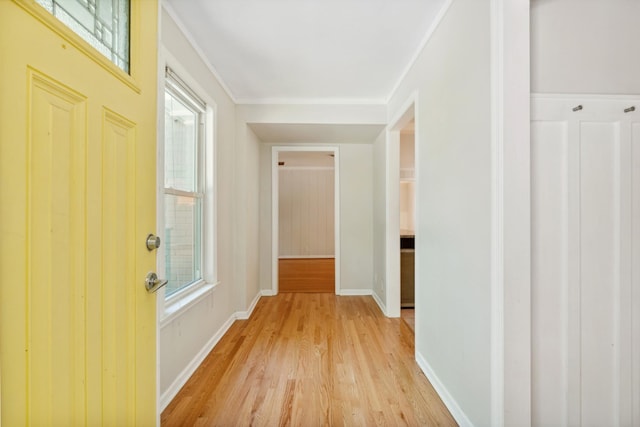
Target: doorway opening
x,y
407,223
305,231
402,212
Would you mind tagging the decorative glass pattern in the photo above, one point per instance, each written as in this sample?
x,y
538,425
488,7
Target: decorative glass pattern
x,y
104,24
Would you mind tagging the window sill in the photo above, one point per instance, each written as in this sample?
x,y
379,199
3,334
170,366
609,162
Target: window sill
x,y
178,306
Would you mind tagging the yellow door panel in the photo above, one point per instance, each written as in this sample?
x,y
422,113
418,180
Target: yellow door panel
x,y
77,199
55,251
118,257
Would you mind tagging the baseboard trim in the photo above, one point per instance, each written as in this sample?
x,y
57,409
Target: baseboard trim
x,y
244,315
378,301
355,292
448,400
186,373
268,293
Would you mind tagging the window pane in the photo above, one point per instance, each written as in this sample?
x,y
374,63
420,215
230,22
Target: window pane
x,y
104,24
183,228
180,145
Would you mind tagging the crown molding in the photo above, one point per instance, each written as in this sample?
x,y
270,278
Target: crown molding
x,y
432,29
311,101
187,34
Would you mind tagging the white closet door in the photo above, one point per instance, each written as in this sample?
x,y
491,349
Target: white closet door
x,y
585,215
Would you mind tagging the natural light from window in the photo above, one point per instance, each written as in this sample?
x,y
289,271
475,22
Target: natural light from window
x,y
183,196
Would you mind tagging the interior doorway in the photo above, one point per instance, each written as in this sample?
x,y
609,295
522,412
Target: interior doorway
x,y
305,219
402,212
407,223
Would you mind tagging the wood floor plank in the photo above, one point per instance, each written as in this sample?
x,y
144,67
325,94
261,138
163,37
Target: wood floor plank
x,y
306,275
306,359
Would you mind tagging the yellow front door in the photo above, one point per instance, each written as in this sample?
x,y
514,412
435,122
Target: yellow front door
x,y
77,200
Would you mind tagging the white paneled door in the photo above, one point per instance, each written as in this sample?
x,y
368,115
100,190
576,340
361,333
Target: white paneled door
x,y
585,216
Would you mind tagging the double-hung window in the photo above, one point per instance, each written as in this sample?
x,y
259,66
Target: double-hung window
x,y
184,136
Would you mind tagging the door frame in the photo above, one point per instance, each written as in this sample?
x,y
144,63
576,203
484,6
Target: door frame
x,y
405,114
275,197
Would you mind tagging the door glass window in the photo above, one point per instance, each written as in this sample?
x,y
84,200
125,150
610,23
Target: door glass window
x,y
104,24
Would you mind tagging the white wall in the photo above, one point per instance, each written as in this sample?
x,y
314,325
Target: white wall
x,y
585,46
247,258
185,338
379,219
306,212
356,218
407,207
452,77
313,114
245,204
407,150
407,183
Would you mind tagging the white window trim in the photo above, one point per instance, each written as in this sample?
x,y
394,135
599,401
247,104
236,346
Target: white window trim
x,y
171,307
177,89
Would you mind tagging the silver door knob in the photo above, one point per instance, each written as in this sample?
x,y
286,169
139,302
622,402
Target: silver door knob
x,y
152,283
153,242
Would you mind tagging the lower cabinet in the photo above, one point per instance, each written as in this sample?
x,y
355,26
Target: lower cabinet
x,y
407,274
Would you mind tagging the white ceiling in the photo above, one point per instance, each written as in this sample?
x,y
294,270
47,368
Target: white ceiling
x,y
307,50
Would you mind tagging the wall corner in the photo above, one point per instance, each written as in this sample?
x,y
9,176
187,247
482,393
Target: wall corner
x,y
511,224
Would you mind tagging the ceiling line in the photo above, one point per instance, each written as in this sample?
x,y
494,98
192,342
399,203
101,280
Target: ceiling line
x,y
312,101
434,26
169,9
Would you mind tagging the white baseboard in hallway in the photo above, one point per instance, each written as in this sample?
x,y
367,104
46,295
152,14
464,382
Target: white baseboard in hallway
x,y
186,373
243,315
378,301
355,292
456,412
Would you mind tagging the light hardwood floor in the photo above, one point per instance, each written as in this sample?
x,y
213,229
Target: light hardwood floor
x,y
409,316
311,360
306,275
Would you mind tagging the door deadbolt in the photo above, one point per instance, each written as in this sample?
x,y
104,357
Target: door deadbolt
x,y
153,242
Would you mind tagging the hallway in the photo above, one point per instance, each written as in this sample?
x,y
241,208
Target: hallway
x,y
311,359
